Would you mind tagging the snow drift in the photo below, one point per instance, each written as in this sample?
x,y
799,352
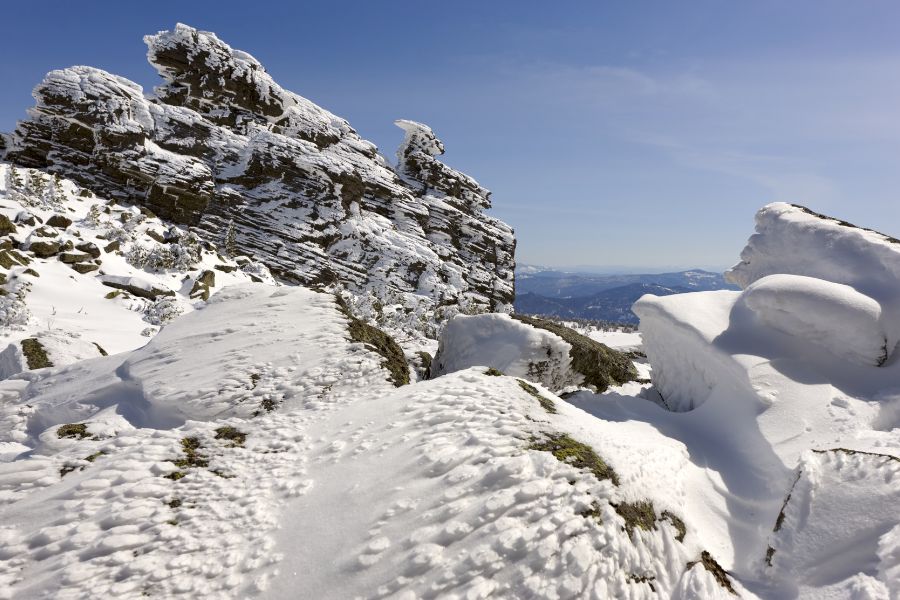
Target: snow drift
x,y
252,449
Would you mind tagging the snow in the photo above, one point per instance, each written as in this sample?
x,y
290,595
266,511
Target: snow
x,y
619,340
842,504
833,316
794,240
61,348
350,487
69,312
246,447
782,392
418,137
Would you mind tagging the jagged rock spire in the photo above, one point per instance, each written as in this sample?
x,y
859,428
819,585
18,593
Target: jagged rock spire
x,y
417,164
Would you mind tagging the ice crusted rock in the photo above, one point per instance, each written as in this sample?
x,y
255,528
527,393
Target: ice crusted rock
x,y
417,163
535,349
221,142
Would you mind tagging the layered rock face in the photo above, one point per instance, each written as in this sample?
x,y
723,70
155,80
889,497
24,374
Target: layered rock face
x,y
222,143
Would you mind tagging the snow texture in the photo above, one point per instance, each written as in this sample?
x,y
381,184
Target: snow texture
x,y
831,315
347,487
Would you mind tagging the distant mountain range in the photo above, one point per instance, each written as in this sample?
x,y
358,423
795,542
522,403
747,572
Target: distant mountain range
x,y
602,297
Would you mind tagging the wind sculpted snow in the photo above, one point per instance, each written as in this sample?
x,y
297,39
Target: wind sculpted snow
x,y
787,392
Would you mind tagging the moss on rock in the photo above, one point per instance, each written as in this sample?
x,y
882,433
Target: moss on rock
x,y
594,511
546,403
380,342
35,355
73,430
600,365
573,452
235,437
6,226
637,514
192,458
677,523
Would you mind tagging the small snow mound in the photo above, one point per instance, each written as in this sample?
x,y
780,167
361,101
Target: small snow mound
x,y
59,348
536,349
510,346
834,316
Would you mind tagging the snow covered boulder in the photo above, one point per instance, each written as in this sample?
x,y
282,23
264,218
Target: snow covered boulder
x,y
535,349
833,316
679,334
136,286
795,240
46,349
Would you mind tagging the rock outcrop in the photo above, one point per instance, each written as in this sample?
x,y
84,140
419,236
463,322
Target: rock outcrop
x,y
223,148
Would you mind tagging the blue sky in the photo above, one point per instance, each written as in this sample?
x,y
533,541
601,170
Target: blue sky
x,y
623,134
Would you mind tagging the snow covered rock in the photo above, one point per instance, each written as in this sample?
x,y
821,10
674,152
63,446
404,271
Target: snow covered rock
x,y
223,148
679,335
46,349
768,379
115,276
417,163
834,316
795,240
135,285
535,349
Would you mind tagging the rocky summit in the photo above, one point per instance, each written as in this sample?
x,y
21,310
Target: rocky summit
x,y
222,148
